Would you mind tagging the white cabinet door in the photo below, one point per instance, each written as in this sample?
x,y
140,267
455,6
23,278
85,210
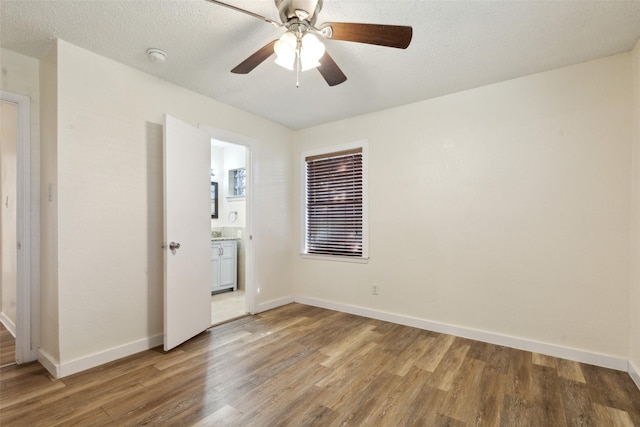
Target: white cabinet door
x,y
228,264
215,267
224,265
187,228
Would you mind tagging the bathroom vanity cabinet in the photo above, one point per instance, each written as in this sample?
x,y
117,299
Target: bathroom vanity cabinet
x,y
224,261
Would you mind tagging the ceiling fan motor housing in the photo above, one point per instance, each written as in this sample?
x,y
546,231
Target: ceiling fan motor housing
x,y
302,9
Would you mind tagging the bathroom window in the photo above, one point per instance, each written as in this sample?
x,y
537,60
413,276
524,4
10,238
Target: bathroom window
x,y
238,182
335,202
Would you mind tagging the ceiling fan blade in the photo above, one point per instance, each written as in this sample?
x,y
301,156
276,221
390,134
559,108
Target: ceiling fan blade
x,y
330,71
256,59
397,36
255,15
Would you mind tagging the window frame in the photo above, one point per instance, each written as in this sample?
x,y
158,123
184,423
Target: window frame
x,y
364,146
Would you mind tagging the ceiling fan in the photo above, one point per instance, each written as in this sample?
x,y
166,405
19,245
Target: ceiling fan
x,y
300,49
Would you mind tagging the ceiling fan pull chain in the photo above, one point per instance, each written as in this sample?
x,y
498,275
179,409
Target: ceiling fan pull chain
x,y
298,60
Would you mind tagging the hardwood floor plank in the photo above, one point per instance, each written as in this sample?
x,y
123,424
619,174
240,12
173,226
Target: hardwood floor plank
x,y
463,400
7,346
319,416
307,366
517,411
492,392
34,385
613,389
521,375
360,406
448,368
222,417
401,392
438,347
350,363
425,408
288,390
412,355
374,367
10,372
577,404
544,360
356,338
612,417
570,370
547,393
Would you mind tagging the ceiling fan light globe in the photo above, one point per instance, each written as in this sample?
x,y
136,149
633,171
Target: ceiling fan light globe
x,y
285,62
312,47
308,65
290,39
283,49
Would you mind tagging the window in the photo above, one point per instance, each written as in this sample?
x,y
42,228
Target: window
x,y
335,203
238,182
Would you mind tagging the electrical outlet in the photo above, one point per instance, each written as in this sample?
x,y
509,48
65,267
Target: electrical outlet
x,y
374,289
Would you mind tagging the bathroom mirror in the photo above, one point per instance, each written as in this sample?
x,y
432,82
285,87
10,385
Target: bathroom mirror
x,y
214,199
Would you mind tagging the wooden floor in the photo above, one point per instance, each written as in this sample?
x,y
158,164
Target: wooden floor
x,y
7,346
300,366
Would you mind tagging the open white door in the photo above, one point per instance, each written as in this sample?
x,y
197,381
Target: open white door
x,y
187,231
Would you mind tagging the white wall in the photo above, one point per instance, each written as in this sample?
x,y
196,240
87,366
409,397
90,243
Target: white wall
x,y
109,197
49,301
635,284
503,209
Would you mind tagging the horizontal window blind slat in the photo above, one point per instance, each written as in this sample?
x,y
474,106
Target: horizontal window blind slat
x,y
334,203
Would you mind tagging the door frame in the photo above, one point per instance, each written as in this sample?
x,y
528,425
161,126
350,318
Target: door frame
x,y
249,144
27,287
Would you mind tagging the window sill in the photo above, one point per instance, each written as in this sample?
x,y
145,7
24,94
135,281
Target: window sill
x,y
353,260
235,198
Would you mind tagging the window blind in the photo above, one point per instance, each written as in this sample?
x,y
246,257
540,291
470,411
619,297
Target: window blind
x,y
334,204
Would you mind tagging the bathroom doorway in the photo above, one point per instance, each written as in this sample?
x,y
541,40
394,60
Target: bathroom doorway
x,y
19,291
230,179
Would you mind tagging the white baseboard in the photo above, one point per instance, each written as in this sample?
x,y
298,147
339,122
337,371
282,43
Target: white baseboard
x,y
8,323
64,369
634,372
49,363
577,355
269,305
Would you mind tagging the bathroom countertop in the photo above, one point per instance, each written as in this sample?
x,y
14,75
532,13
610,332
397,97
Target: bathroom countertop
x,y
217,239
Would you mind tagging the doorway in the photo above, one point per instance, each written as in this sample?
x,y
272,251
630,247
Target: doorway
x,y
230,179
8,225
19,290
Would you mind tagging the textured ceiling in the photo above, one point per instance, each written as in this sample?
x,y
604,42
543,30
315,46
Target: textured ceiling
x,y
456,46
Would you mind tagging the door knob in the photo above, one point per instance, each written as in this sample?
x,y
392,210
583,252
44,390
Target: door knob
x,y
173,246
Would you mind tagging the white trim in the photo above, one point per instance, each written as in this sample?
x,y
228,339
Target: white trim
x,y
364,144
49,363
26,288
352,259
577,355
8,323
60,370
634,372
275,303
